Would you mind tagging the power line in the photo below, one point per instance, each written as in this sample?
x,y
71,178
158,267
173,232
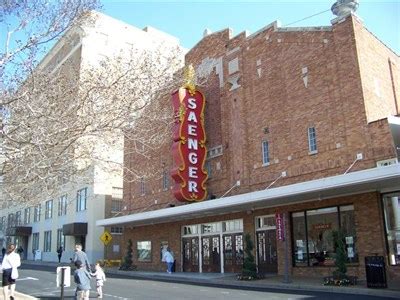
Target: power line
x,y
308,17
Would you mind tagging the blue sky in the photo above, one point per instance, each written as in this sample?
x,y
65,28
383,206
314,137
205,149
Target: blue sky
x,y
187,20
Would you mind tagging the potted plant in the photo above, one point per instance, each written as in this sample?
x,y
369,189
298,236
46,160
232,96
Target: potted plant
x,y
339,276
127,263
249,271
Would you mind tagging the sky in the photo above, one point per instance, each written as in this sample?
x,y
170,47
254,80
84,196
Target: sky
x,y
187,20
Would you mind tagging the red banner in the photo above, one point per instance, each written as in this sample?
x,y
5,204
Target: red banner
x,y
280,226
188,148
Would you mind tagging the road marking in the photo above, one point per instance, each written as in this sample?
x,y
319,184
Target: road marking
x,y
27,278
116,297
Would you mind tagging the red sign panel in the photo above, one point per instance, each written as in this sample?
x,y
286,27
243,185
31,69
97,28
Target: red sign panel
x,y
189,146
280,226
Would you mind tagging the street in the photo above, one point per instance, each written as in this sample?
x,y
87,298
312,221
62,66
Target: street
x,y
41,283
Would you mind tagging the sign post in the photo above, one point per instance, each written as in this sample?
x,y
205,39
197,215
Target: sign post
x,y
63,279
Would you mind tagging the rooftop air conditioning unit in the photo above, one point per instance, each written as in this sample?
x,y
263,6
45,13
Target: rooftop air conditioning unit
x,y
386,162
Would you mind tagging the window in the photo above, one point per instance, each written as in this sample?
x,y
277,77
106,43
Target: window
x,y
11,220
37,212
266,222
208,168
391,210
313,235
312,140
165,180
265,153
144,251
190,229
47,241
35,241
233,225
48,213
60,238
18,218
81,198
62,205
142,187
27,215
117,230
2,223
116,205
211,228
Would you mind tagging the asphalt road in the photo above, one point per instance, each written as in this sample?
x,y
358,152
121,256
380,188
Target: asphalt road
x,y
41,283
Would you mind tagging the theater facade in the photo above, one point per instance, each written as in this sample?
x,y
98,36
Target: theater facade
x,y
302,135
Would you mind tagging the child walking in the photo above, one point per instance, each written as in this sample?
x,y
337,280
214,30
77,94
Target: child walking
x,y
82,280
100,279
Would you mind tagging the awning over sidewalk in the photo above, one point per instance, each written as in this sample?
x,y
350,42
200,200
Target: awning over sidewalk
x,y
19,231
382,179
75,229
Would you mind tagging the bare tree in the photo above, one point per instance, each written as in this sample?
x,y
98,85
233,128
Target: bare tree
x,y
60,119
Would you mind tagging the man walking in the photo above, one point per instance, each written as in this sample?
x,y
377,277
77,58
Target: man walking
x,y
81,256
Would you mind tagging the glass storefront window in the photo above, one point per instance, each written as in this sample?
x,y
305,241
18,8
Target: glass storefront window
x,y
391,209
300,239
144,250
347,225
313,235
320,225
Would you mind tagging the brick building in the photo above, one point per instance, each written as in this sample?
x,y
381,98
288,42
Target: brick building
x,y
300,122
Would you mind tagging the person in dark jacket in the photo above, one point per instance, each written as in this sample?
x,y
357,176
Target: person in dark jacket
x,y
59,253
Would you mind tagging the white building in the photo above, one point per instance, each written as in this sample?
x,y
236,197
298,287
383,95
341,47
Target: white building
x,y
69,217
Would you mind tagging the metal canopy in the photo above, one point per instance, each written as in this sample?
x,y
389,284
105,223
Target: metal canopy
x,y
382,179
75,229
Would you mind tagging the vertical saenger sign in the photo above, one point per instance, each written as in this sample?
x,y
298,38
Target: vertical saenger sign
x,y
189,145
280,226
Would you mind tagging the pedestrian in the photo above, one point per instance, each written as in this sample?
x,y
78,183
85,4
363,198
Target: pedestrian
x,y
81,255
59,253
9,266
82,280
100,279
169,259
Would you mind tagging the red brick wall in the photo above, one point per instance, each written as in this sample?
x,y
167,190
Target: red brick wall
x,y
278,107
379,70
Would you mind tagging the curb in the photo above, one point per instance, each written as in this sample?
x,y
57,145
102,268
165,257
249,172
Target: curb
x,y
262,287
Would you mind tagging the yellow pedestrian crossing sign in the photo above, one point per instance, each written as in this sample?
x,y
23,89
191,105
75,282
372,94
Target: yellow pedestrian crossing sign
x,y
106,237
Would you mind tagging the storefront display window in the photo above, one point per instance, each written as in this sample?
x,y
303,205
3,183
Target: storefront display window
x,y
300,239
313,243
391,209
144,250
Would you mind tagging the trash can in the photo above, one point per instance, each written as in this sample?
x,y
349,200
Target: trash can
x,y
375,271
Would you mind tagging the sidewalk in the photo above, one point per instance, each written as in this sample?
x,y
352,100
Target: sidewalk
x,y
17,295
228,280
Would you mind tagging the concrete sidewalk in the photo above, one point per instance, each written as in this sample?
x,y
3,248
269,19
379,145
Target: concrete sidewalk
x,y
228,280
17,295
